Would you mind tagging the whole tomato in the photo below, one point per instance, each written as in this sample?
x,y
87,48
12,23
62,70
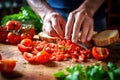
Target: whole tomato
x,y
27,32
26,45
7,65
24,36
100,53
3,34
13,38
13,25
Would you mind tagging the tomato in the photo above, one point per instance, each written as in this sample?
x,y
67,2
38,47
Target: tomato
x,y
13,25
23,36
23,48
43,57
13,38
7,65
27,42
29,57
3,34
100,53
26,45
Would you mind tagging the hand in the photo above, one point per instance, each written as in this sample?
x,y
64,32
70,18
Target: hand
x,y
54,25
79,20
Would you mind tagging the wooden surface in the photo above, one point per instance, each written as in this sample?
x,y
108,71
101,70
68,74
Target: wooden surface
x,y
26,71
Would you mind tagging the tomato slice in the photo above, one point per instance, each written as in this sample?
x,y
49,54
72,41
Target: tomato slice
x,y
43,57
7,65
29,57
100,53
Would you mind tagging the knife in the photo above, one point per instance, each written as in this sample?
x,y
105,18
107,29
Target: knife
x,y
82,45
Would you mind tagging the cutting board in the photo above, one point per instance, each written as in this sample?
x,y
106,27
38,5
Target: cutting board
x,y
26,71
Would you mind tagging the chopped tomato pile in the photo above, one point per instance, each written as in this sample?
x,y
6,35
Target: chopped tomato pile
x,y
7,65
13,32
42,51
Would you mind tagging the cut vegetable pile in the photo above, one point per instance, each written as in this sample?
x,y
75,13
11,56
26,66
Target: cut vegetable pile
x,y
42,51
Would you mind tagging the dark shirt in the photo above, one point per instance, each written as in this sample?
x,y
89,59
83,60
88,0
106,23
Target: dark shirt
x,y
64,7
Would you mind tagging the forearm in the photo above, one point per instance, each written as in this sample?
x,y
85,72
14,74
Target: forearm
x,y
91,6
40,7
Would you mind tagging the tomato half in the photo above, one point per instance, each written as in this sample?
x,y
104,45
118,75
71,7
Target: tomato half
x,y
43,57
7,65
13,25
100,52
26,45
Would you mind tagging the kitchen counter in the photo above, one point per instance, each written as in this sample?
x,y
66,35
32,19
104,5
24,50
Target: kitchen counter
x,y
26,71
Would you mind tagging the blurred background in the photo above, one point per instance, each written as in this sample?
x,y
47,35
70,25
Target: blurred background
x,y
113,10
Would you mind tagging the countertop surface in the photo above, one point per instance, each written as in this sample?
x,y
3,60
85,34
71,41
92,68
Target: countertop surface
x,y
26,71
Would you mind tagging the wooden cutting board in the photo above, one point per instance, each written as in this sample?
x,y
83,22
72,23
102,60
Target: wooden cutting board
x,y
26,71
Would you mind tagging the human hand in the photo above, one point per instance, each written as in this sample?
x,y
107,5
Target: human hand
x,y
79,20
54,25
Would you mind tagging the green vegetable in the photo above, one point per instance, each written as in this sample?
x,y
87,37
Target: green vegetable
x,y
26,16
94,72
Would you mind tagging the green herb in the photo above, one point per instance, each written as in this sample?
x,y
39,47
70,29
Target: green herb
x,y
26,16
94,72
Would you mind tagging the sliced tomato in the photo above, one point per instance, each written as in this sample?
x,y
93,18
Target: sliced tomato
x,y
13,25
23,48
7,65
29,57
26,45
43,57
100,52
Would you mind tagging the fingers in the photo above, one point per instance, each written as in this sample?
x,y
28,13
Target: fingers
x,y
87,30
69,26
79,21
76,27
47,28
57,27
54,25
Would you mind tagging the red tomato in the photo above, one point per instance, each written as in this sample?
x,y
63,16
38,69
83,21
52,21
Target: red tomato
x,y
13,25
13,38
100,53
29,57
24,36
7,65
27,32
3,36
23,48
26,45
43,57
32,31
27,42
